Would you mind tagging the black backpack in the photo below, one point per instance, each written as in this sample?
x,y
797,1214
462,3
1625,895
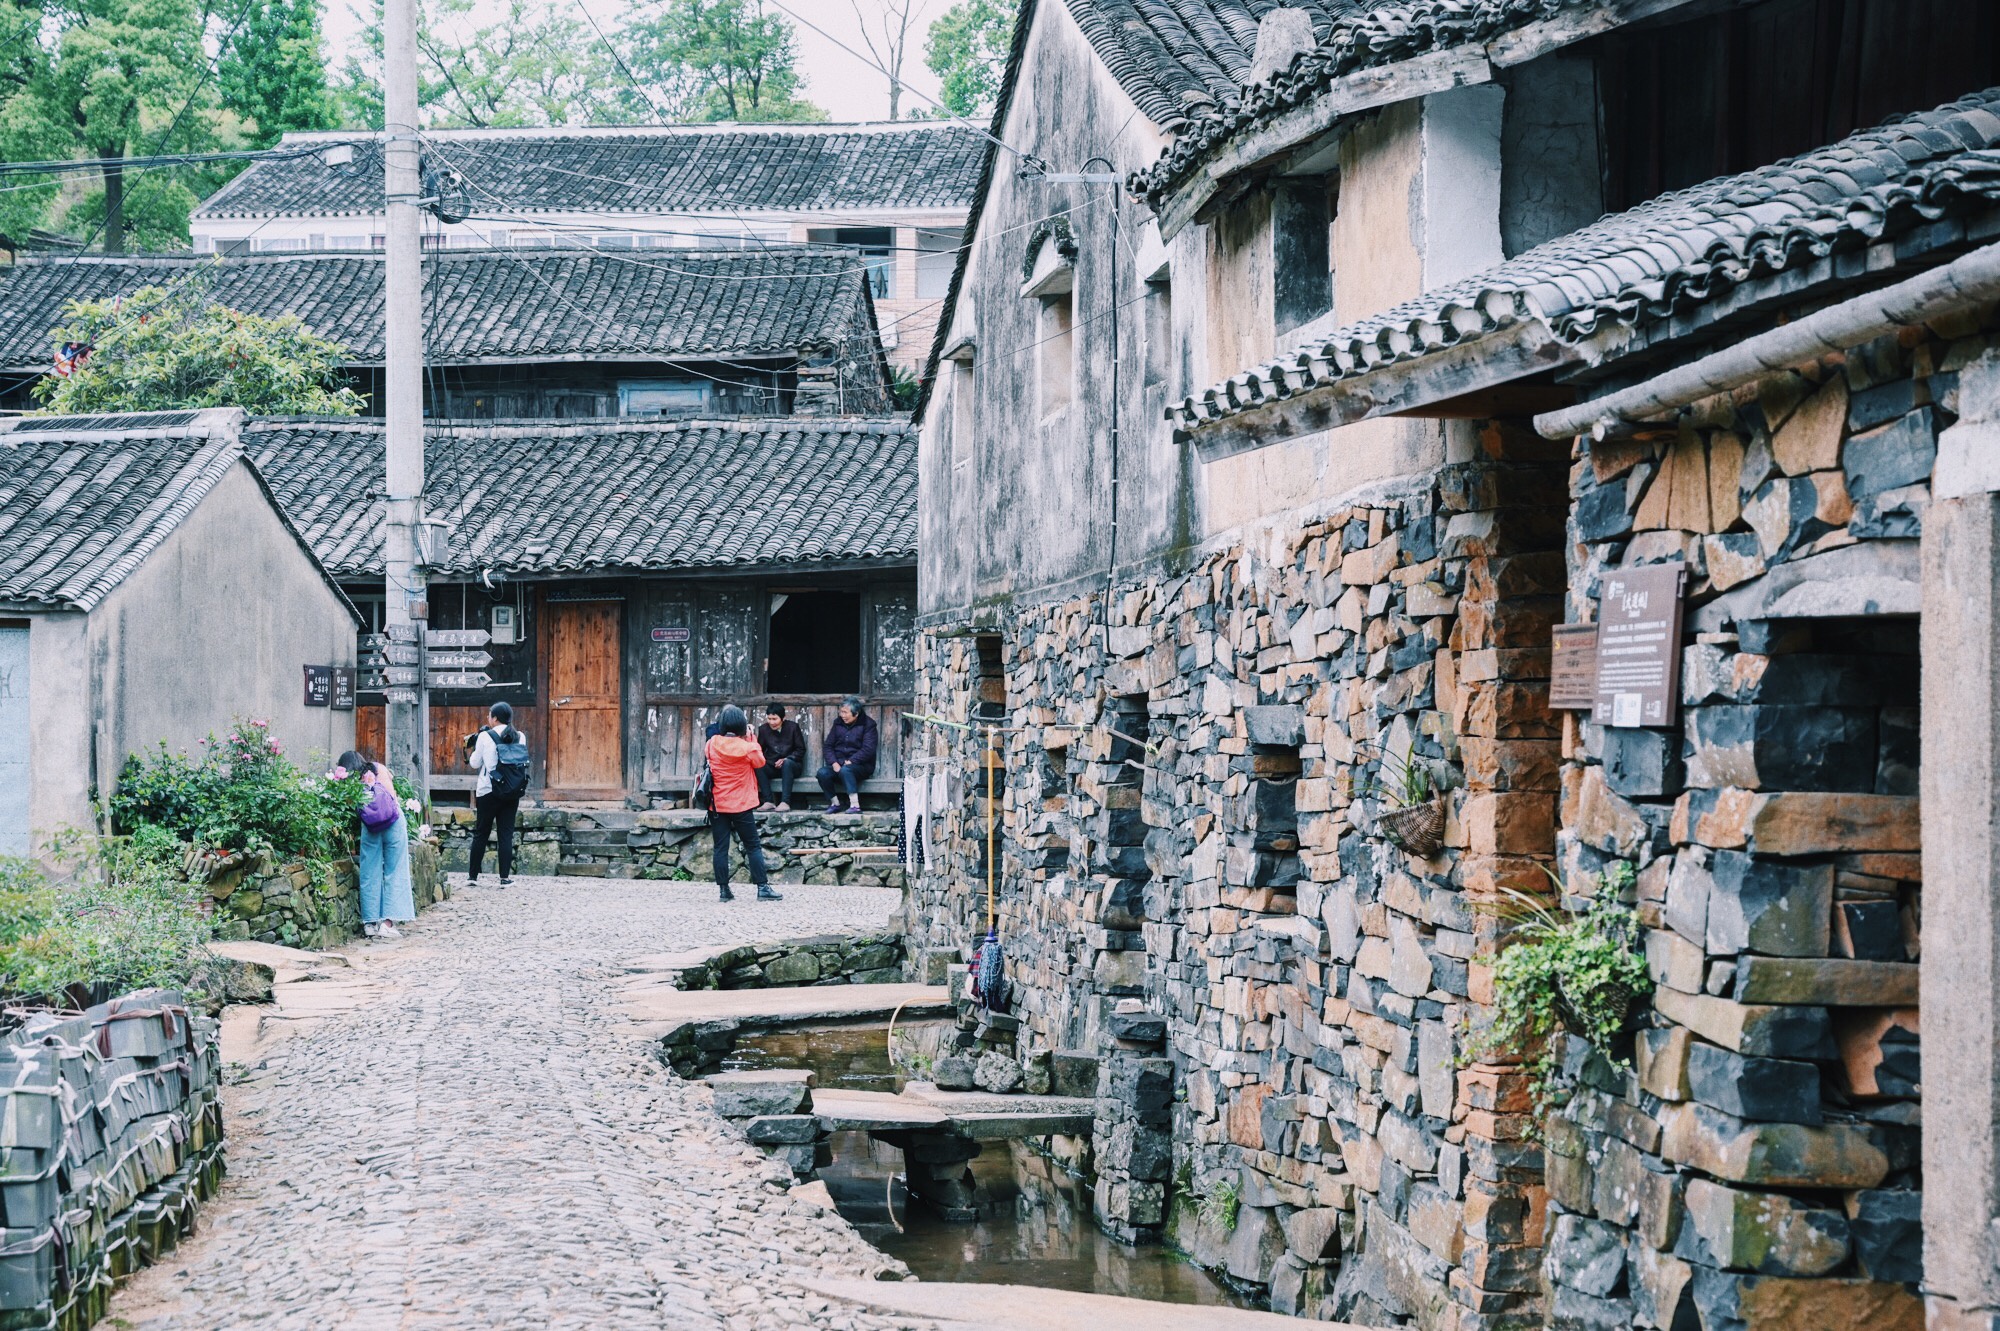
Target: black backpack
x,y
510,773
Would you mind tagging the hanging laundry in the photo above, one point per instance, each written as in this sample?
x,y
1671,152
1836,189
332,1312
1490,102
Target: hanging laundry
x,y
70,357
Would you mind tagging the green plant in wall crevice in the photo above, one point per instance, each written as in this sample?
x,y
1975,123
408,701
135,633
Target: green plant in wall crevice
x,y
1576,971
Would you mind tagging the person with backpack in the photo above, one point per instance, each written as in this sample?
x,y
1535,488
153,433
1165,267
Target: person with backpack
x,y
383,860
729,787
500,757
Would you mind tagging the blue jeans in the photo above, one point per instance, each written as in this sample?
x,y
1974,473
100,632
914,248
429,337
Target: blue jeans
x,y
744,825
846,781
386,892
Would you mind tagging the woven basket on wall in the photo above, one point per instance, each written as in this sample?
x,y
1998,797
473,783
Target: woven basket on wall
x,y
1419,828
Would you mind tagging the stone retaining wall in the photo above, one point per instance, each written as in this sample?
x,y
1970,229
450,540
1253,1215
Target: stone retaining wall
x,y
110,1133
1302,982
1759,1164
298,906
677,844
793,962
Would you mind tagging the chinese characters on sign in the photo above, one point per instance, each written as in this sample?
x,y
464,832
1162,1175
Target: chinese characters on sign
x,y
344,688
319,686
671,635
1639,646
1573,668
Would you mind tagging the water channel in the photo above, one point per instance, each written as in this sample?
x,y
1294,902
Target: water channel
x,y
1034,1226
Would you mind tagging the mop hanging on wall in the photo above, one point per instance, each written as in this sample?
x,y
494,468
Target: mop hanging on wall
x,y
989,967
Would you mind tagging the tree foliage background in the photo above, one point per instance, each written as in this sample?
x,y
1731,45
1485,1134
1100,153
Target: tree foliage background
x,y
171,349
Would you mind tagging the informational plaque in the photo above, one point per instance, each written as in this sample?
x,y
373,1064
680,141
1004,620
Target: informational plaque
x,y
674,633
319,686
345,682
1573,668
1639,646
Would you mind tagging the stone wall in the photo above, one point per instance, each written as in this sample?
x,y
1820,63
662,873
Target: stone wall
x,y
792,962
306,906
676,844
1758,1164
1189,812
110,1133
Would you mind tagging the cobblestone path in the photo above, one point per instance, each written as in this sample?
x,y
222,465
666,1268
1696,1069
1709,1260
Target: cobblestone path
x,y
484,1142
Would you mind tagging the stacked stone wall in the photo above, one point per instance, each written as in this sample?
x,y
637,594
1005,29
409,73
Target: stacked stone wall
x,y
305,905
110,1134
1227,869
676,844
1757,1165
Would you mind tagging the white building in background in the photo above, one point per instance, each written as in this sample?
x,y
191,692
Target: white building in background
x,y
895,193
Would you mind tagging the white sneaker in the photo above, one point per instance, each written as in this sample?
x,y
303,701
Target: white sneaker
x,y
387,930
369,928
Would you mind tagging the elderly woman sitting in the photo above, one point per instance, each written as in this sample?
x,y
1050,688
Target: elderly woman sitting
x,y
847,757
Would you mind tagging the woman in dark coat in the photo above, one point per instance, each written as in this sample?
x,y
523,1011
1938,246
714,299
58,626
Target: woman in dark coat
x,y
847,757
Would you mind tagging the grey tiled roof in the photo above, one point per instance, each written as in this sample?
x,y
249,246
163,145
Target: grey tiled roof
x,y
539,497
84,499
491,305
686,169
1183,60
1352,35
1669,255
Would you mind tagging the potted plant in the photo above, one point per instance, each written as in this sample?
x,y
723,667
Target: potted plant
x,y
1577,971
1413,816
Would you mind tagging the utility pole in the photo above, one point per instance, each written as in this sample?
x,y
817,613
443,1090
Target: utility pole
x,y
408,740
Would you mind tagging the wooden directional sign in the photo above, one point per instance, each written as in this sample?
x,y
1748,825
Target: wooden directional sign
x,y
457,679
408,697
457,638
395,653
395,675
401,632
458,660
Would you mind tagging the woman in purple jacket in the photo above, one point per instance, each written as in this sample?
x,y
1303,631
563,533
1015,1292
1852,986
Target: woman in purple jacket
x,y
847,757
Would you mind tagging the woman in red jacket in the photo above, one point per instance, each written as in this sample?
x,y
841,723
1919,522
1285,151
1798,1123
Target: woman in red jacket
x,y
733,760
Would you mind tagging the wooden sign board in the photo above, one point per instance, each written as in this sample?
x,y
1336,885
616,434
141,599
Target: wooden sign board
x,y
1639,646
459,660
457,638
1573,668
345,681
319,686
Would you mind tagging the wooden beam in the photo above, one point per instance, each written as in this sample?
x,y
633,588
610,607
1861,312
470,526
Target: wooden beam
x,y
1482,365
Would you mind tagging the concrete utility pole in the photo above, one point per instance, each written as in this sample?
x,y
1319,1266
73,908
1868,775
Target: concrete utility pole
x,y
407,742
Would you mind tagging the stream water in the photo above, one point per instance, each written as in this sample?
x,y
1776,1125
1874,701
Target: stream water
x,y
1034,1226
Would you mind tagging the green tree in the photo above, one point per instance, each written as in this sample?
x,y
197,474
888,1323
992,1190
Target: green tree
x,y
717,60
101,78
273,69
170,349
967,49
538,65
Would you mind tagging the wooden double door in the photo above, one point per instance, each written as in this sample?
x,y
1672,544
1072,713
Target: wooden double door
x,y
586,720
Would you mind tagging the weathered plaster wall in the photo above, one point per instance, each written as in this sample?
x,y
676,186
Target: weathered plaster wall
x,y
1460,213
218,622
1029,502
61,703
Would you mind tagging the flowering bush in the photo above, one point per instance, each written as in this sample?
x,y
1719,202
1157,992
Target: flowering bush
x,y
241,794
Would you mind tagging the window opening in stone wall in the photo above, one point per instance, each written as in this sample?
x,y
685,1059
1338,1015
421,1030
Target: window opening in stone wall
x,y
1274,781
989,684
815,643
1119,840
964,382
1056,337
1302,213
1159,320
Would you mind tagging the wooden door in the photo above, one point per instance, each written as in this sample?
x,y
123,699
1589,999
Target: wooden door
x,y
586,722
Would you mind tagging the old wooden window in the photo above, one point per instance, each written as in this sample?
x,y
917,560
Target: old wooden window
x,y
815,643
